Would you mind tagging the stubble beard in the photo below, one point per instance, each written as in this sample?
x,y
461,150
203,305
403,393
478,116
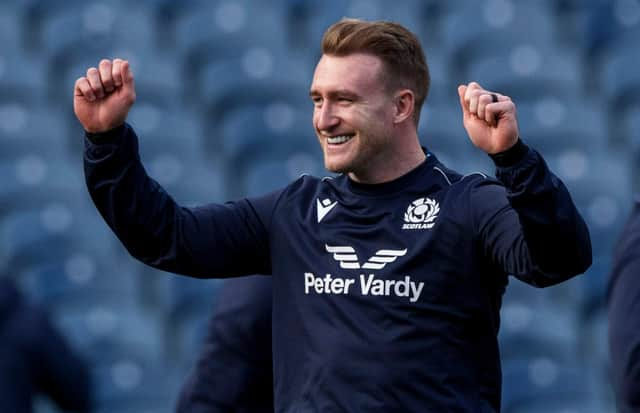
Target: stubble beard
x,y
359,162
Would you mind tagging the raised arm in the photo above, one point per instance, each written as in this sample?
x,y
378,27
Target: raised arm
x,y
531,227
209,241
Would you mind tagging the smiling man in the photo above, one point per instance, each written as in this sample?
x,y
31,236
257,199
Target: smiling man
x,y
387,278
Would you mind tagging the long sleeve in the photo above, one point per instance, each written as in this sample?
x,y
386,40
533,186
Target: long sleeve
x,y
530,228
208,241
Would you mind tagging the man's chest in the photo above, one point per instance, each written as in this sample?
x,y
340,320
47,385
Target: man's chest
x,y
401,249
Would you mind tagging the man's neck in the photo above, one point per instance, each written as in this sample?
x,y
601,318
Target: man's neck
x,y
393,164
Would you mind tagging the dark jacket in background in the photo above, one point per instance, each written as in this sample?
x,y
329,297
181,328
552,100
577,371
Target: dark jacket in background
x,y
35,359
624,316
234,370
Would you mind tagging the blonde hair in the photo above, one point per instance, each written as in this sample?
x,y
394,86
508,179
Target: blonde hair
x,y
397,47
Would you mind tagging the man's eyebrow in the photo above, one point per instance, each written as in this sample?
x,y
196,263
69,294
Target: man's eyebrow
x,y
335,93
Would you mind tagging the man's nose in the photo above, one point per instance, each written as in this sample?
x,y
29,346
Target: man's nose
x,y
326,118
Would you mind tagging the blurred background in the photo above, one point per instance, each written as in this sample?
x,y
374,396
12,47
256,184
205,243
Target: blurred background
x,y
223,112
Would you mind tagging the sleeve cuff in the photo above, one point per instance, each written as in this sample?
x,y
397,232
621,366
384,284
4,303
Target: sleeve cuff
x,y
109,136
511,156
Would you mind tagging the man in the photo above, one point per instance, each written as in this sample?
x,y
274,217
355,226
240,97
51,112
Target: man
x,y
387,278
234,371
623,303
35,360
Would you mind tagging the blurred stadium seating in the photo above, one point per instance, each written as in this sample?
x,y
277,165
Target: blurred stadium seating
x,y
223,112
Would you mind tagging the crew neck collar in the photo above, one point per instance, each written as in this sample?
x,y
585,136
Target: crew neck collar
x,y
395,185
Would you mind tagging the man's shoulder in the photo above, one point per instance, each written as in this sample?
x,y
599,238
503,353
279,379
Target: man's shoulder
x,y
307,183
306,188
464,181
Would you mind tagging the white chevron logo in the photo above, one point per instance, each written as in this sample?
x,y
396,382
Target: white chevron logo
x,y
348,258
324,207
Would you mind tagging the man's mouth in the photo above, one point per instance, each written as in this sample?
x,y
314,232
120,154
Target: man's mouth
x,y
337,140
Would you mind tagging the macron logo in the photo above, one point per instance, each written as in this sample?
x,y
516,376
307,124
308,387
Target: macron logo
x,y
348,259
324,207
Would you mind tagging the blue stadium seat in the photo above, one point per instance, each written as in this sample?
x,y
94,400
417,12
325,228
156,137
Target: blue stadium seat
x,y
226,29
10,28
627,130
34,235
276,131
488,28
269,174
105,321
260,76
132,380
600,186
443,88
77,272
112,23
441,130
544,384
548,328
556,123
31,129
620,86
608,27
166,129
30,180
586,24
36,12
620,83
172,149
252,125
22,77
533,344
526,71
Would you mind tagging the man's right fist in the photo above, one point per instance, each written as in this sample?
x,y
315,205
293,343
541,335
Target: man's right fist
x,y
102,98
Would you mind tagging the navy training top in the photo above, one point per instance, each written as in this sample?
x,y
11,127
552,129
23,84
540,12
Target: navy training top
x,y
386,297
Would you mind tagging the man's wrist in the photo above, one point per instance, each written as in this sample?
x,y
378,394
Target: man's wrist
x,y
511,156
105,137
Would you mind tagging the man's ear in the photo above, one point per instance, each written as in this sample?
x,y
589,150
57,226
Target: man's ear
x,y
404,105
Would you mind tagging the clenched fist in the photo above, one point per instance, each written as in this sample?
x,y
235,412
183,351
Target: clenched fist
x,y
489,118
103,97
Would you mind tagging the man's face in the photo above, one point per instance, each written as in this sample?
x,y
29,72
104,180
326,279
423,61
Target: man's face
x,y
353,113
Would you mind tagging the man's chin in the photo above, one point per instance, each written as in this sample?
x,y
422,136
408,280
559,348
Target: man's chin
x,y
337,169
334,165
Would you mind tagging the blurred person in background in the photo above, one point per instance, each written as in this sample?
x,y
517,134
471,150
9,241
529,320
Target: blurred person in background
x,y
624,323
35,359
234,372
388,278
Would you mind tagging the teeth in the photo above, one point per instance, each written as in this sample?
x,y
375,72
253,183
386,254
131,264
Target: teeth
x,y
338,139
